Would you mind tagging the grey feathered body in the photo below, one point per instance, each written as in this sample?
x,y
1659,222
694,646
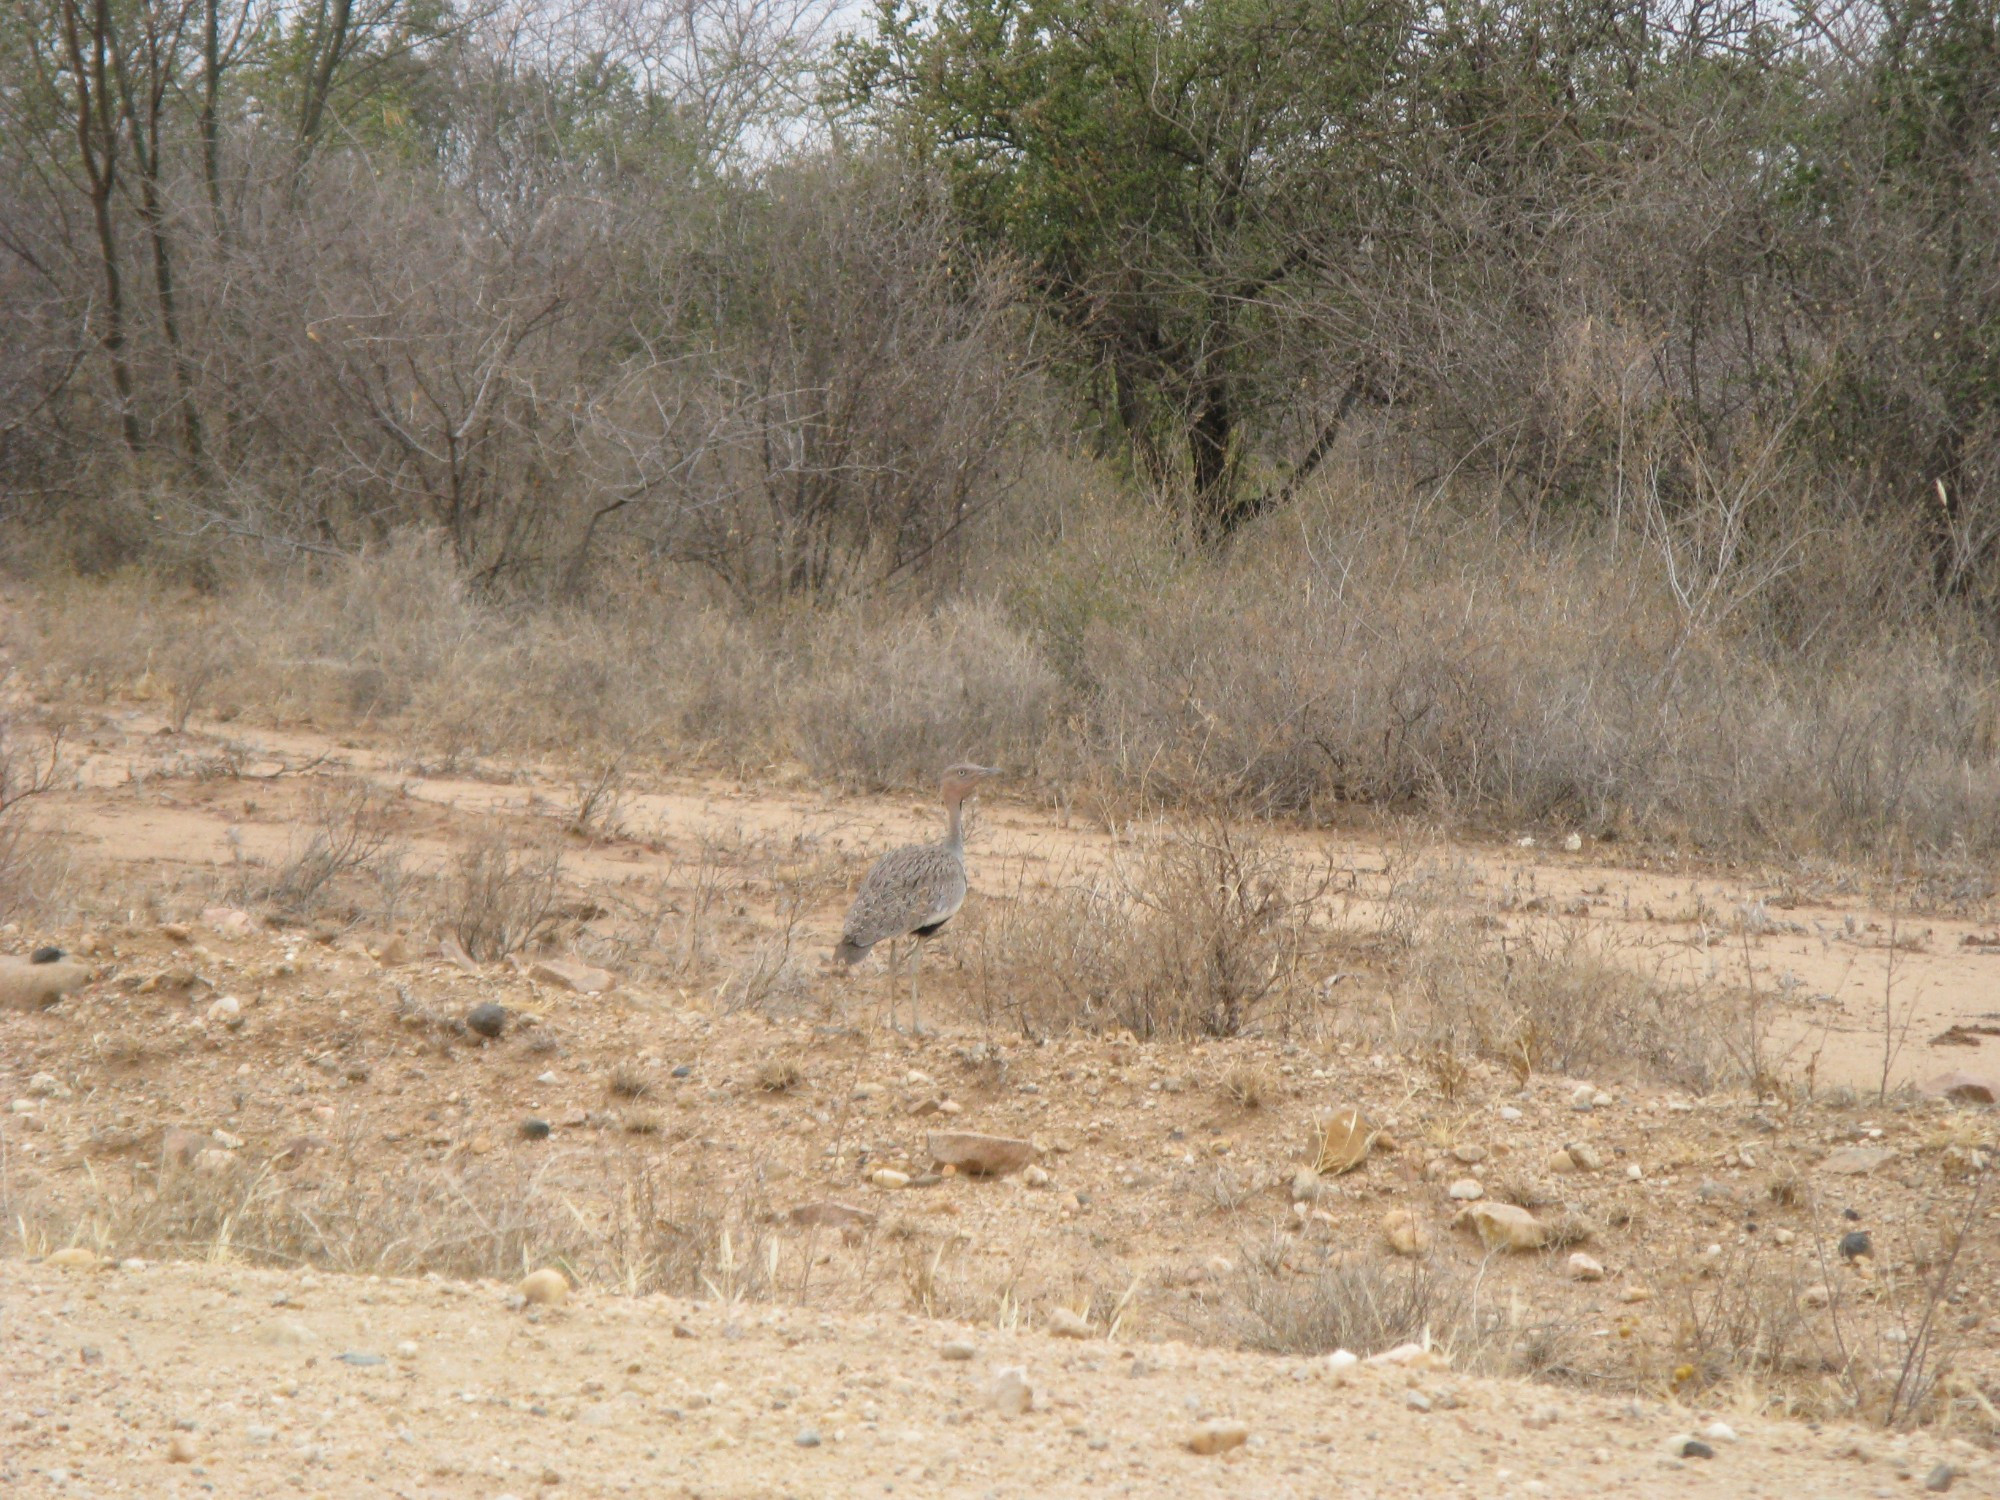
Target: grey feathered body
x,y
914,889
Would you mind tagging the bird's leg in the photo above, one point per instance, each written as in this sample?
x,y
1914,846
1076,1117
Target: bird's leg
x,y
889,982
916,959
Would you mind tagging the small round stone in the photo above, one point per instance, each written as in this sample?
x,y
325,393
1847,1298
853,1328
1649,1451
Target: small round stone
x,y
180,1449
807,1438
488,1020
546,1286
1855,1244
535,1129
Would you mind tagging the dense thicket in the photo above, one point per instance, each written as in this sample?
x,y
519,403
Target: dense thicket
x,y
696,277
1578,411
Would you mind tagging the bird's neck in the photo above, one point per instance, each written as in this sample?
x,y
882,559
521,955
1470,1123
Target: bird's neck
x,y
954,834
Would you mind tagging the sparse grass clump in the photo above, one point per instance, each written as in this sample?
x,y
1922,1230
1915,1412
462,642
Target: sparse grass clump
x,y
1361,1304
347,832
1549,997
1200,934
779,1075
500,898
629,1082
667,1232
1248,1085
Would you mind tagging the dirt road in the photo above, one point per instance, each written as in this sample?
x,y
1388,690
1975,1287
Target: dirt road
x,y
281,1384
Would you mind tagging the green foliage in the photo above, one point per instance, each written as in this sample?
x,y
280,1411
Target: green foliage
x,y
1168,173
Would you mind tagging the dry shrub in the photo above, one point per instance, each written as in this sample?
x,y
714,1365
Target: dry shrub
x,y
1359,1304
892,702
33,864
1750,1317
348,832
396,635
661,1229
1201,935
1439,659
1553,998
1800,1330
499,898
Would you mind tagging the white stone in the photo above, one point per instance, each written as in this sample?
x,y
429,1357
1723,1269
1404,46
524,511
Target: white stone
x,y
1010,1394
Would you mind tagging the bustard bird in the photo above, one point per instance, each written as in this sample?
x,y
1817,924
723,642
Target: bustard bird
x,y
913,891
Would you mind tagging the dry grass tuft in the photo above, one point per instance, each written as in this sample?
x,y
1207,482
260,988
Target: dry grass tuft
x,y
348,832
1357,1303
1552,997
1202,934
499,898
779,1075
664,1230
629,1082
1249,1085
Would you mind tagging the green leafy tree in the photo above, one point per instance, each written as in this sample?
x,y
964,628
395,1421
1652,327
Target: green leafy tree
x,y
1170,175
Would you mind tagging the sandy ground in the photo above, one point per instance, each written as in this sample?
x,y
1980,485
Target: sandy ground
x,y
1847,975
241,1095
286,1384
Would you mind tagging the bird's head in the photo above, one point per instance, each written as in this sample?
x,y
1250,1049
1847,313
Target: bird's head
x,y
963,780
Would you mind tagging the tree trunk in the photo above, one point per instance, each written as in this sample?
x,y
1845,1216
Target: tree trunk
x,y
1218,508
211,94
97,130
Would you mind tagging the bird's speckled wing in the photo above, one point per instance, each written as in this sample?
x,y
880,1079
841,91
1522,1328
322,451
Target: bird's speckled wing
x,y
907,889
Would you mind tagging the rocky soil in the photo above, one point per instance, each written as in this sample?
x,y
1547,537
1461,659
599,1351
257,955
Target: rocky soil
x,y
195,1380
680,1112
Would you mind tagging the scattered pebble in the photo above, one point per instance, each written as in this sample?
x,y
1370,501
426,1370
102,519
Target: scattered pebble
x,y
1855,1244
1405,1232
180,1449
1065,1324
535,1129
1941,1478
1467,1188
889,1177
546,1286
1010,1394
1583,1268
487,1020
958,1350
807,1438
1211,1438
1719,1432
